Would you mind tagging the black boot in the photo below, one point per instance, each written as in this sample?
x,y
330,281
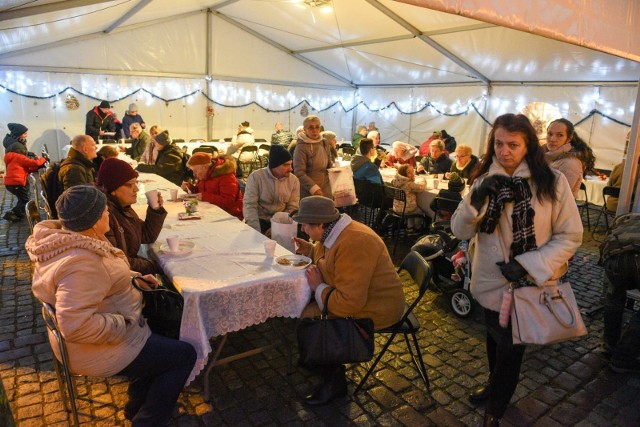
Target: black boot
x,y
479,395
334,385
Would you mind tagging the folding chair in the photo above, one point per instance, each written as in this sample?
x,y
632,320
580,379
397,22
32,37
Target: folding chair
x,y
420,272
47,208
399,219
247,166
33,214
197,140
63,370
583,206
606,193
205,149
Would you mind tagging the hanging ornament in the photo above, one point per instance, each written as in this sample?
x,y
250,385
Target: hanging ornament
x,y
210,111
540,114
304,111
72,103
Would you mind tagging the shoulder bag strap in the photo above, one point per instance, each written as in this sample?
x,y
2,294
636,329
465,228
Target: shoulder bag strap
x,y
325,310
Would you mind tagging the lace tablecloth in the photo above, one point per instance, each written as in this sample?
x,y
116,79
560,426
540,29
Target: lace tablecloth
x,y
594,187
227,281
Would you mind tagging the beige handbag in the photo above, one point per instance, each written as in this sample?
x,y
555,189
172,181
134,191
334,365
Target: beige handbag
x,y
543,314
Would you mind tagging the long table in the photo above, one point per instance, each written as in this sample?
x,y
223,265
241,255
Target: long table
x,y
227,281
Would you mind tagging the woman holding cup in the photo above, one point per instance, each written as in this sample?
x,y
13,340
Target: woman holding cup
x,y
119,182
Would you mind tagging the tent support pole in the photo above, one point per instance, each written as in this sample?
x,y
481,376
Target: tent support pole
x,y
630,174
209,56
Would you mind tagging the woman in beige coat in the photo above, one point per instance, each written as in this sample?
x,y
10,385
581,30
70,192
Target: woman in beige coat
x,y
350,258
312,159
525,226
99,312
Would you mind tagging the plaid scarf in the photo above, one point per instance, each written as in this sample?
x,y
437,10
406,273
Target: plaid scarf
x,y
517,191
328,230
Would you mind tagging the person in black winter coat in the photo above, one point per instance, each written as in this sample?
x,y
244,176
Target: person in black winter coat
x,y
449,141
99,121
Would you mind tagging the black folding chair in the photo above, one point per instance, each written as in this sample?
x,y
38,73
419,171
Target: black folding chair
x,y
583,205
607,192
33,214
399,219
420,272
205,149
444,208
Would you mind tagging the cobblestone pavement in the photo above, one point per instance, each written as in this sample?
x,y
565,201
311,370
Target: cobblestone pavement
x,y
561,385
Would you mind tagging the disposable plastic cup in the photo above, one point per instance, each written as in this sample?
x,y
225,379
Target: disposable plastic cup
x,y
174,194
270,248
174,243
152,198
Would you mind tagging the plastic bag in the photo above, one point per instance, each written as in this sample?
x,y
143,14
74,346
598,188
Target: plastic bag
x,y
342,186
283,228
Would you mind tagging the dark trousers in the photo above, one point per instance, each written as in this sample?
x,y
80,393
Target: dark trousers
x,y
22,193
157,376
621,274
264,225
505,360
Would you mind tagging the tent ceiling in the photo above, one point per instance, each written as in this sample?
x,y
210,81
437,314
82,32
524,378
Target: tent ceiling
x,y
357,43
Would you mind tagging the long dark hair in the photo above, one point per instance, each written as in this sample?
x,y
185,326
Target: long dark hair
x,y
580,149
541,173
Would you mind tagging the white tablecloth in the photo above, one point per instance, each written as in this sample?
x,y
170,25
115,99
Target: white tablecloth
x,y
594,190
227,282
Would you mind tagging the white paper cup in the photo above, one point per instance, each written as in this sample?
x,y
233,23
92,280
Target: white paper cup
x,y
152,198
270,248
174,243
174,194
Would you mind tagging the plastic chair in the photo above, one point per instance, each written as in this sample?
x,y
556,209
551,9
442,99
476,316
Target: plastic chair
x,y
33,214
248,166
399,219
260,140
205,149
584,205
197,140
607,191
420,272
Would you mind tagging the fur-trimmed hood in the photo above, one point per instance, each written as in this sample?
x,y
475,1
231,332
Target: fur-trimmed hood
x,y
222,165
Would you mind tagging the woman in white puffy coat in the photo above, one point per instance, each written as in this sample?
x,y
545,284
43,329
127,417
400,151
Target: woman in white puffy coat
x,y
525,226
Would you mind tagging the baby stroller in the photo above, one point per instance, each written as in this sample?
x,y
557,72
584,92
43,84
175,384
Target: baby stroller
x,y
451,268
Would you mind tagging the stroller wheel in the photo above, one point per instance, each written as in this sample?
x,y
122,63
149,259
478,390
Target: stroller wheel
x,y
462,303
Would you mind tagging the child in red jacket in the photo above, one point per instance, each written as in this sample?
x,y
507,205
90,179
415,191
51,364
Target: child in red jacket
x,y
19,166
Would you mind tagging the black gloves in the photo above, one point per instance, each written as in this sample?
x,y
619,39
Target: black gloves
x,y
512,270
489,186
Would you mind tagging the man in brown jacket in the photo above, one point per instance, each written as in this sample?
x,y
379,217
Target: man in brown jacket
x,y
353,259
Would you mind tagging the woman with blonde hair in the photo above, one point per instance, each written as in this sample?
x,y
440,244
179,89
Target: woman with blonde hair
x,y
465,162
151,152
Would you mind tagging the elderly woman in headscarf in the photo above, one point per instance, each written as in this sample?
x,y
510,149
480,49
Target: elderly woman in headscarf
x,y
88,282
403,153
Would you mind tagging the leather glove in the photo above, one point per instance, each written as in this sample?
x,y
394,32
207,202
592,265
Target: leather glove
x,y
489,186
512,270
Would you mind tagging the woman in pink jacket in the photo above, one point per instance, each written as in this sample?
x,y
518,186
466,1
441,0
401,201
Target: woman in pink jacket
x,y
99,312
217,182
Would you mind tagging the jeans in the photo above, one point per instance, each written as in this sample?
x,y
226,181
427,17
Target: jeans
x,y
22,193
157,376
505,360
621,274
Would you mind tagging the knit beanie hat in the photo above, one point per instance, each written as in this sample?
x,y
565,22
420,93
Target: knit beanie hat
x,y
456,185
278,155
104,104
200,159
80,207
113,173
163,138
133,107
16,129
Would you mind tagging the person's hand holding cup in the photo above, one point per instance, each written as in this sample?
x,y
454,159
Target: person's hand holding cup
x,y
153,198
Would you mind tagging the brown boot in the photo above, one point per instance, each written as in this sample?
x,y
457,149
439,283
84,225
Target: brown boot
x,y
491,421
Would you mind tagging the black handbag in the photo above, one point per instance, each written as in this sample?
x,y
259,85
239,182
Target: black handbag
x,y
162,308
333,341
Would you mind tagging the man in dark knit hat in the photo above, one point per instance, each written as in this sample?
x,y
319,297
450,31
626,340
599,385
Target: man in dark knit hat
x,y
100,120
170,163
271,189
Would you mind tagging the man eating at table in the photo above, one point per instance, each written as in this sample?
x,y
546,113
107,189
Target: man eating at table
x,y
353,259
270,190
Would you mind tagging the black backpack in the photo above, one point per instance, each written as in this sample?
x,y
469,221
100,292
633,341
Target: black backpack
x,y
52,187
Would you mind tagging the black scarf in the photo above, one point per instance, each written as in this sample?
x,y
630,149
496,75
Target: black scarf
x,y
517,190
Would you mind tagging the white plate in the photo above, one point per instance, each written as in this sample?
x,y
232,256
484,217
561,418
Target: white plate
x,y
185,247
296,262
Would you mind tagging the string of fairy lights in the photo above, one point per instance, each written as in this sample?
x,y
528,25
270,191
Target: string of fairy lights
x,y
231,96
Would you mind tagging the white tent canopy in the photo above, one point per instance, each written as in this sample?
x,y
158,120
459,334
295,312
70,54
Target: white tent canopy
x,y
446,65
